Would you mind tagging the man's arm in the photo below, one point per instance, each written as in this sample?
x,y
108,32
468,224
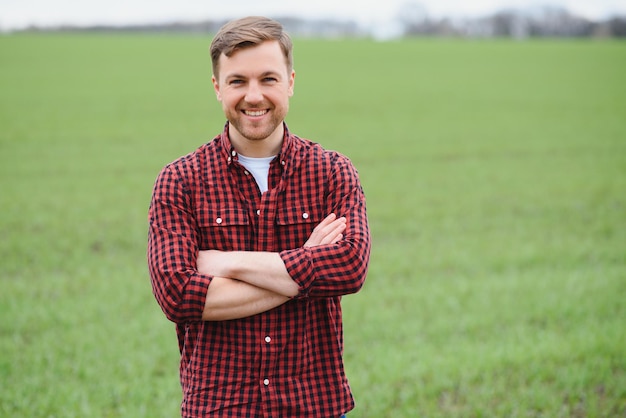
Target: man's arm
x,y
340,269
246,283
265,270
233,299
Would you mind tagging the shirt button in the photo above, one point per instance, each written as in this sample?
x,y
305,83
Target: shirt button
x,y
268,339
246,173
258,212
229,159
283,162
266,382
305,215
218,221
234,153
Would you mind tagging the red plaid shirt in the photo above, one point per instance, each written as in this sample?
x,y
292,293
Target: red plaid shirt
x,y
286,362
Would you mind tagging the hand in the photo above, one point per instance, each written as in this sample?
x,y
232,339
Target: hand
x,y
329,231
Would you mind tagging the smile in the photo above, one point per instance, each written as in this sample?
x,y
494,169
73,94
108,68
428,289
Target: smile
x,y
255,112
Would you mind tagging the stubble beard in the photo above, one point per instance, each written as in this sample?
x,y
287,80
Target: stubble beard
x,y
257,131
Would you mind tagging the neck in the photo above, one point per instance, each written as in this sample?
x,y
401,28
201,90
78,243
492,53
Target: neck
x,y
257,147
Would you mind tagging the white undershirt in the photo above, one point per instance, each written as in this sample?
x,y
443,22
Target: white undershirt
x,y
259,168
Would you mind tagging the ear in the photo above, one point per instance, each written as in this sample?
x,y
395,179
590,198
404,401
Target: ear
x,y
216,87
292,79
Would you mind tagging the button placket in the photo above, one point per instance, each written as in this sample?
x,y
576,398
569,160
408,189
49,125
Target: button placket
x,y
267,355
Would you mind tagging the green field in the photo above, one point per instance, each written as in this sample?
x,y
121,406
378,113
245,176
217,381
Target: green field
x,y
495,173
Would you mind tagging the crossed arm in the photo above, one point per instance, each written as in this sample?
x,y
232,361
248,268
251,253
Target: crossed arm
x,y
246,283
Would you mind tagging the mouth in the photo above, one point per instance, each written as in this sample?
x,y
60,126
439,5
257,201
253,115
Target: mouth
x,y
255,113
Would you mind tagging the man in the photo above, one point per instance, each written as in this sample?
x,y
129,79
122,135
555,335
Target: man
x,y
253,239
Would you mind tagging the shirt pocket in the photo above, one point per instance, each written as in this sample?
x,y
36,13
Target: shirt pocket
x,y
224,229
296,222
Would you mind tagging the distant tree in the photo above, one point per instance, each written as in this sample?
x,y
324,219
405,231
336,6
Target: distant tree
x,y
557,21
510,23
617,26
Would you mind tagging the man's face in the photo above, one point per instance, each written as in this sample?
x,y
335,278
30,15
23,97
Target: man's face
x,y
254,86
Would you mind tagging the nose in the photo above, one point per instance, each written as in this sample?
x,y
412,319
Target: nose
x,y
254,94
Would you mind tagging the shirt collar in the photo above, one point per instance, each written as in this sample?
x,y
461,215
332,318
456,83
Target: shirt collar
x,y
285,157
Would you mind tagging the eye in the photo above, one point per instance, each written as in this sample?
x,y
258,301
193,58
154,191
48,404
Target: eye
x,y
270,80
235,81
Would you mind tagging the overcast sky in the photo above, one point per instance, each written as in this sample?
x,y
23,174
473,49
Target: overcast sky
x,y
20,13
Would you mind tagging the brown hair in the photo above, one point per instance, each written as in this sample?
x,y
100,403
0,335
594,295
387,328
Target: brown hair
x,y
248,32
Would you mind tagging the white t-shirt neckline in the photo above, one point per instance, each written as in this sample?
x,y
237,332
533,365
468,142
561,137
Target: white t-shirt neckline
x,y
259,168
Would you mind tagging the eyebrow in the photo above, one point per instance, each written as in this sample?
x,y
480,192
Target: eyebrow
x,y
262,75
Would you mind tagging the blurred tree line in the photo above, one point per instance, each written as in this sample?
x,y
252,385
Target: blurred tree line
x,y
412,20
542,21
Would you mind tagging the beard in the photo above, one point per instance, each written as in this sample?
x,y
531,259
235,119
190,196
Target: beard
x,y
257,130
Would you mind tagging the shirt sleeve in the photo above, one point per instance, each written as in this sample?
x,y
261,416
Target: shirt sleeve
x,y
341,268
172,250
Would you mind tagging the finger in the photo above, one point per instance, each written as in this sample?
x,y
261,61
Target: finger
x,y
323,227
336,240
331,234
326,231
326,221
327,225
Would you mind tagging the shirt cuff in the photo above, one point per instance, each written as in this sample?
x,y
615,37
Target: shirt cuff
x,y
300,267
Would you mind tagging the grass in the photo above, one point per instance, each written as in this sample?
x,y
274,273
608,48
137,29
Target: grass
x,y
495,174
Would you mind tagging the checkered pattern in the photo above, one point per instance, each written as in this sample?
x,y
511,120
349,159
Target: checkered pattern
x,y
286,362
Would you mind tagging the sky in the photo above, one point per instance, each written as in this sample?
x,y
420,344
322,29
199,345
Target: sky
x,y
15,14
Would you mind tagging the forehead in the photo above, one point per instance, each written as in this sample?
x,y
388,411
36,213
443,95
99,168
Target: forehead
x,y
265,57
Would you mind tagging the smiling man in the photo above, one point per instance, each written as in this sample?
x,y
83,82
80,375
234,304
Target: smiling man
x,y
253,239
255,100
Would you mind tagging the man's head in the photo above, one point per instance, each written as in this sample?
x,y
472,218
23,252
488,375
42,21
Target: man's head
x,y
248,32
253,79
